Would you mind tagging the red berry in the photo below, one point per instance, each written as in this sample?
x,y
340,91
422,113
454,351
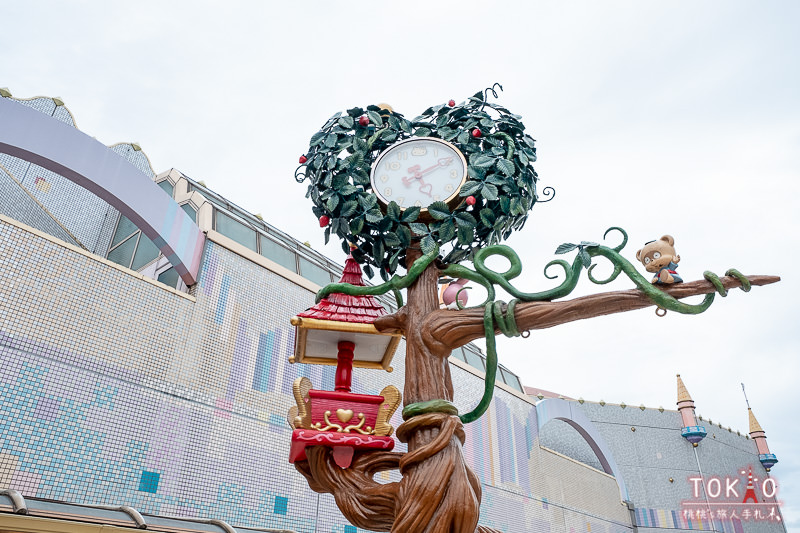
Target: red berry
x,y
324,220
363,120
476,133
303,159
451,103
470,200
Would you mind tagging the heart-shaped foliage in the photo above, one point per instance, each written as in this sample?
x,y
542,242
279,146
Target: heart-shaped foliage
x,y
501,181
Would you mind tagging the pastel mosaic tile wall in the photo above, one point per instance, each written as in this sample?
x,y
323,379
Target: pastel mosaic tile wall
x,y
123,392
16,203
80,211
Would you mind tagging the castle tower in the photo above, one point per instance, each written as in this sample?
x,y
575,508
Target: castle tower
x,y
691,431
757,434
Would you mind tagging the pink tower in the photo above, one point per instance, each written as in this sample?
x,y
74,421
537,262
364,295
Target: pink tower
x,y
691,431
757,434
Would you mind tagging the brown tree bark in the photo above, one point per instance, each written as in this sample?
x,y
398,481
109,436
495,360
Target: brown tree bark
x,y
438,491
446,330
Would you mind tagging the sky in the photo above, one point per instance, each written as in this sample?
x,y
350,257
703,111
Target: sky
x,y
677,118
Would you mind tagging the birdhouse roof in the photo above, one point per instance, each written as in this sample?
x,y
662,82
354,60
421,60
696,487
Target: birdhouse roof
x,y
343,307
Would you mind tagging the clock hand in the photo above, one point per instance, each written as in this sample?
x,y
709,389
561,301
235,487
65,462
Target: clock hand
x,y
407,180
443,162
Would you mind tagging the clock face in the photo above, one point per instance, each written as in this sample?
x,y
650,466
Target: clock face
x,y
418,172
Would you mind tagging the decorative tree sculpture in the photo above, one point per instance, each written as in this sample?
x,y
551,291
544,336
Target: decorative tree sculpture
x,y
427,194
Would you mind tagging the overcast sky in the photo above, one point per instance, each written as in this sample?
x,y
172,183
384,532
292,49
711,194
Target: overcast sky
x,y
678,118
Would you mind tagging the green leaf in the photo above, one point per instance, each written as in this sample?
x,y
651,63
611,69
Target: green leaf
x,y
487,217
346,122
523,158
464,219
332,162
378,250
405,125
566,247
348,208
418,228
330,140
447,231
375,118
427,244
447,133
393,210
391,239
410,215
463,137
355,112
422,132
470,187
481,161
586,259
405,236
360,144
356,226
465,235
374,216
505,166
332,202
317,138
505,204
388,135
394,122
348,189
367,201
489,191
439,210
368,271
442,120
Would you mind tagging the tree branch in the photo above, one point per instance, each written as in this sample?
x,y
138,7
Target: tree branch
x,y
452,329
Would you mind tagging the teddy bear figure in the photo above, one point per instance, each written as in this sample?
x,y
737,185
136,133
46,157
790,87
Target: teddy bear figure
x,y
660,258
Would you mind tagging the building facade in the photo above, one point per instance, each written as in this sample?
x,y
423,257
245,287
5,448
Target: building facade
x,y
122,385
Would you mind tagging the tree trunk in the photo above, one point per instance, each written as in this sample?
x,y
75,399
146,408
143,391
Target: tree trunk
x,y
438,492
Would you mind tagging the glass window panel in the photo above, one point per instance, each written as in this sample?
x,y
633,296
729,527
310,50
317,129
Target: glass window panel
x,y
314,273
458,353
122,254
146,252
191,211
167,186
124,230
474,359
169,277
236,230
272,250
512,380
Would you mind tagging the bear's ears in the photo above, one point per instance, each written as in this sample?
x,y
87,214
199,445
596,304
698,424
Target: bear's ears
x,y
668,239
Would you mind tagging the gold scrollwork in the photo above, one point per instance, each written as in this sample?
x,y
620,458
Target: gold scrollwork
x,y
300,415
339,429
391,400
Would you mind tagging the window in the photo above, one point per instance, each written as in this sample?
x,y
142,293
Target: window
x,y
169,277
235,230
125,229
458,353
123,253
474,359
272,250
314,273
167,186
191,211
146,253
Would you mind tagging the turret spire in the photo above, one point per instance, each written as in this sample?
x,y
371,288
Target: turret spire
x,y
691,431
